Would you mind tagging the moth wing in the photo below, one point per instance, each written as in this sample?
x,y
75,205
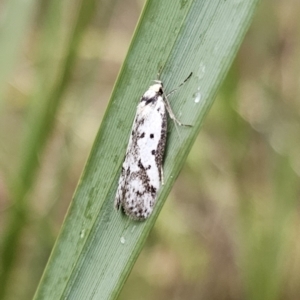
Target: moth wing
x,y
120,195
145,161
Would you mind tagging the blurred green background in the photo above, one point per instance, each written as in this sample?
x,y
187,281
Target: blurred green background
x,y
229,229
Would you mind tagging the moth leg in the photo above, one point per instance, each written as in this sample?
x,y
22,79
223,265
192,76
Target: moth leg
x,y
171,114
168,106
117,203
162,175
119,197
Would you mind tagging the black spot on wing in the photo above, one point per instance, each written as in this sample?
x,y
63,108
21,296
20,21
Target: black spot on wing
x,y
140,165
151,135
139,121
152,99
152,190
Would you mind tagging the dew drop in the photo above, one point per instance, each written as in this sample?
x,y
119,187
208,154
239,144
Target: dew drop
x,y
82,233
122,240
201,70
197,97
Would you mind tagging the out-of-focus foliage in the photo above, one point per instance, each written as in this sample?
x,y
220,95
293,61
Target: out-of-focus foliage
x,y
229,229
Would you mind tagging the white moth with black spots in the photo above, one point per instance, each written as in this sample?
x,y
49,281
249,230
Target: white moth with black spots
x,y
142,170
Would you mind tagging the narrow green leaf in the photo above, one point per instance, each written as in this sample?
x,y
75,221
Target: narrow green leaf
x,y
98,246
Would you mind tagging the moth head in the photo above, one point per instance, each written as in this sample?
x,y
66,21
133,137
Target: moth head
x,y
152,93
157,87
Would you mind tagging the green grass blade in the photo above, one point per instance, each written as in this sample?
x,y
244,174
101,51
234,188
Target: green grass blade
x,y
97,246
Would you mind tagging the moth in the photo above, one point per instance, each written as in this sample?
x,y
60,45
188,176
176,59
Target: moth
x,y
142,169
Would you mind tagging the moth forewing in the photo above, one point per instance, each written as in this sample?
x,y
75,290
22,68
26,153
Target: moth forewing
x,y
142,169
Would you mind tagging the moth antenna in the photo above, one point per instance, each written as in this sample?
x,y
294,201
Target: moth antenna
x,y
173,91
158,76
159,72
